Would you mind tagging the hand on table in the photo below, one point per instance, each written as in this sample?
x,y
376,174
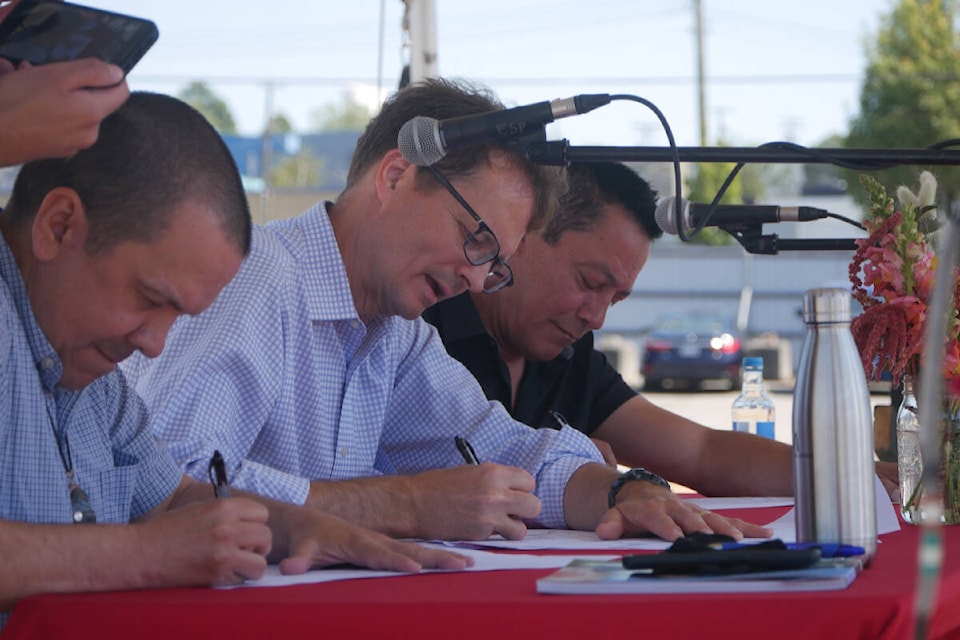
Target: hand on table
x,y
644,508
319,539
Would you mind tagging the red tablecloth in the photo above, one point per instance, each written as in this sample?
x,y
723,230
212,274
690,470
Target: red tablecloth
x,y
505,604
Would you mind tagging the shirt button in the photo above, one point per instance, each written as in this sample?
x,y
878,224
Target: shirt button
x,y
47,363
355,324
344,451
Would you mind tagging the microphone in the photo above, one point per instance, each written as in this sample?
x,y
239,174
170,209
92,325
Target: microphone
x,y
729,214
425,141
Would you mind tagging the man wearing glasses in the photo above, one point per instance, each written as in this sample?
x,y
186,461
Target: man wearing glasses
x,y
99,253
316,378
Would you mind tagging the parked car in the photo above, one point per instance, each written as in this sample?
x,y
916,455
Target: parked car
x,y
690,348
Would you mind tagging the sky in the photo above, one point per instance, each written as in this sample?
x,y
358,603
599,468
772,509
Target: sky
x,y
774,70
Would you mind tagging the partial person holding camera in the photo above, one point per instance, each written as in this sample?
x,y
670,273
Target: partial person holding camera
x,y
54,110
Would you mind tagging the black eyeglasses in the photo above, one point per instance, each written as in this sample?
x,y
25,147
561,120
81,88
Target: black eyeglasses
x,y
481,246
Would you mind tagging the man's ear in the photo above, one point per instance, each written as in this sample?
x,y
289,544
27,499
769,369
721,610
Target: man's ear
x,y
59,225
390,171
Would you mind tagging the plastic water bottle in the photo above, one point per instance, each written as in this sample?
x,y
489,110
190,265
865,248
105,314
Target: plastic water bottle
x,y
833,471
753,411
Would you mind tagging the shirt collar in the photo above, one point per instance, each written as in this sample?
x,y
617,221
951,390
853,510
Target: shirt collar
x,y
457,318
48,363
310,239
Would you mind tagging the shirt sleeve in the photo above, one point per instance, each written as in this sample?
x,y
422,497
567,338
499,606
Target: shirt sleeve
x,y
131,439
213,389
609,391
436,398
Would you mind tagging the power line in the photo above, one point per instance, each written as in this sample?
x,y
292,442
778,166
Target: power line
x,y
759,79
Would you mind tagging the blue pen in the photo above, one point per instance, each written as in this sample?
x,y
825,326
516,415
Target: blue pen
x,y
827,549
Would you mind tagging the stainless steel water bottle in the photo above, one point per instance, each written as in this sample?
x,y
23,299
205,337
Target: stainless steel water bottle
x,y
833,469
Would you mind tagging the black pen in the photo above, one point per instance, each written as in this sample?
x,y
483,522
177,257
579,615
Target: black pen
x,y
466,450
218,476
559,419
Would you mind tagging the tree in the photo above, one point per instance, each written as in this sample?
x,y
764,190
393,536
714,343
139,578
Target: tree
x,y
348,115
822,177
911,91
279,124
301,170
703,186
199,96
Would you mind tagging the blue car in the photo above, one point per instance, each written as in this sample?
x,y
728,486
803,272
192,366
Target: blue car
x,y
686,349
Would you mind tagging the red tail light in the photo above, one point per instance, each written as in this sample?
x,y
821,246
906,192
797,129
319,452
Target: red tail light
x,y
658,345
725,343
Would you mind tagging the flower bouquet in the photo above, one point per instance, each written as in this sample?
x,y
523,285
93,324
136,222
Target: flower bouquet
x,y
892,273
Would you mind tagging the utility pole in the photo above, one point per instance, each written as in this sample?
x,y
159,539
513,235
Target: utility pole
x,y
701,79
420,22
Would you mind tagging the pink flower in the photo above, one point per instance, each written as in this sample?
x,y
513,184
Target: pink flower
x,y
953,386
893,272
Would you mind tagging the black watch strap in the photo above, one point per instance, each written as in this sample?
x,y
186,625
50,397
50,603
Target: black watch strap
x,y
638,473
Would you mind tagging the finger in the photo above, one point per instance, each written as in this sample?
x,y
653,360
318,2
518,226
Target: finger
x,y
524,505
6,66
88,72
611,526
737,528
511,529
248,566
520,480
430,558
691,520
254,537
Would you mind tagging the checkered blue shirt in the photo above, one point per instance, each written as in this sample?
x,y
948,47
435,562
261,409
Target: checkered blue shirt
x,y
284,379
118,462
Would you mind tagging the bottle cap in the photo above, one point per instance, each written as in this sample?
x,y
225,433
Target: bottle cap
x,y
753,362
826,305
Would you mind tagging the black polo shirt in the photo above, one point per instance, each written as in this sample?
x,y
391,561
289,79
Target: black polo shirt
x,y
580,384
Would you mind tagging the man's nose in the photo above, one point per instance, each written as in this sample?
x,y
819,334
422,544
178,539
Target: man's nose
x,y
151,337
594,311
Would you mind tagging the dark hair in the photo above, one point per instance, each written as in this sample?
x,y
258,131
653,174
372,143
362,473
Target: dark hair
x,y
593,185
441,99
152,155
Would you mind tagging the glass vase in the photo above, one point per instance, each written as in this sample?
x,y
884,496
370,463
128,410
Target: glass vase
x,y
910,458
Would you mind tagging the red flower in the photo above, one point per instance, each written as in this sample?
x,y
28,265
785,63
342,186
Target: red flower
x,y
953,386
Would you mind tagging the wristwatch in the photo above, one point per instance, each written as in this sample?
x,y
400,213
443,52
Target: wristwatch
x,y
639,473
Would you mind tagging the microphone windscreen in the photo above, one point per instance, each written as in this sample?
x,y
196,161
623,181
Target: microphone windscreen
x,y
419,141
666,214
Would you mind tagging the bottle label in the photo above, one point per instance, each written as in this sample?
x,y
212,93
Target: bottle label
x,y
765,429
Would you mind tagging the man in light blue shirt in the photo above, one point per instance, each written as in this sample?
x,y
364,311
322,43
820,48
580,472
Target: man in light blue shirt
x,y
315,374
99,254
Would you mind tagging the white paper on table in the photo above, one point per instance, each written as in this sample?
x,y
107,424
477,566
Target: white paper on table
x,y
483,561
783,527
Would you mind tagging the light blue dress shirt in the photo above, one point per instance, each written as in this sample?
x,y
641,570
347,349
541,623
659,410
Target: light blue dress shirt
x,y
284,379
117,461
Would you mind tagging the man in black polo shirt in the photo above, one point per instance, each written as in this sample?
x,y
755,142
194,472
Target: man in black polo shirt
x,y
531,345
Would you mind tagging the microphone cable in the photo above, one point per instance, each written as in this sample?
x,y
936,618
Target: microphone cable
x,y
674,153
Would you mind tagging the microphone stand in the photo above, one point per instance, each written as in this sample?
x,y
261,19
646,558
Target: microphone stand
x,y
772,153
750,236
752,239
